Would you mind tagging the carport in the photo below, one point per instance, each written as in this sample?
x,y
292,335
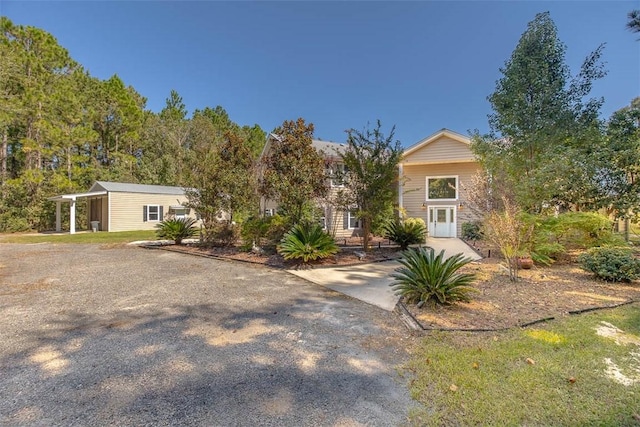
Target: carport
x,y
71,199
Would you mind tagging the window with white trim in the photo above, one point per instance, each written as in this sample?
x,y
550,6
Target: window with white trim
x,y
152,213
442,188
353,220
337,172
180,213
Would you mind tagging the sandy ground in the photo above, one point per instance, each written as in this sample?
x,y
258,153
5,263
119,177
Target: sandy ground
x,y
97,335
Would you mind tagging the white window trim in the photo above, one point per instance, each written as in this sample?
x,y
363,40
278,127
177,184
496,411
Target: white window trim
x,y
438,177
180,213
351,215
332,169
157,213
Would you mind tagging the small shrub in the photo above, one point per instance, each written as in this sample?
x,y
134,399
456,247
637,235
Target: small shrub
x,y
554,235
472,230
307,242
408,232
510,232
254,230
176,229
611,264
426,277
220,234
278,226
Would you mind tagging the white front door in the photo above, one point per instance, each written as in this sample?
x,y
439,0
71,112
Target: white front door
x,y
442,221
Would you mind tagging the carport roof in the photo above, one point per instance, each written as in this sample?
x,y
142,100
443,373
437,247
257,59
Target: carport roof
x,y
70,197
124,187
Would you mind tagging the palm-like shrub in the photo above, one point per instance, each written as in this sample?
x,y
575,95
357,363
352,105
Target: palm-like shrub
x,y
426,277
176,229
408,232
307,242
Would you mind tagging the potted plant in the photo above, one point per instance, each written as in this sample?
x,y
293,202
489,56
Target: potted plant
x,y
525,262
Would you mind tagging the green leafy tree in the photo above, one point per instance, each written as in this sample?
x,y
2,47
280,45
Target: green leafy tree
x,y
118,121
293,171
634,21
619,173
371,175
10,87
165,144
543,129
223,182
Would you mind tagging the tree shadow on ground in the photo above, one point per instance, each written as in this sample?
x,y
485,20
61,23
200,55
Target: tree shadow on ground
x,y
295,363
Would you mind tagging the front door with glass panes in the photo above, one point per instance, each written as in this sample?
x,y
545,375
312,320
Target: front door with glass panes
x,y
442,221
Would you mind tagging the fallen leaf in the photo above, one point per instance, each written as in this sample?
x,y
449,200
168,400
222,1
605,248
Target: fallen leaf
x,y
530,361
453,387
475,365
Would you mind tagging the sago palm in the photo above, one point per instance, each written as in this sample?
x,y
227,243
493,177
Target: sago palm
x,y
176,229
307,242
426,277
405,233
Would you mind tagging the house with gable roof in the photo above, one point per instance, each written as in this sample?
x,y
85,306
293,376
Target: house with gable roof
x,y
435,174
117,206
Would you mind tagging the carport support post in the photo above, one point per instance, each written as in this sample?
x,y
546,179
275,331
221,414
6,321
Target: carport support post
x,y
72,216
58,221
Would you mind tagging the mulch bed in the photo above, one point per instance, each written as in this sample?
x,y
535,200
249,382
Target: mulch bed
x,y
348,255
542,293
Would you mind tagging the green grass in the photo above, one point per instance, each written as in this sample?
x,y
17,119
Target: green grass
x,y
486,379
100,237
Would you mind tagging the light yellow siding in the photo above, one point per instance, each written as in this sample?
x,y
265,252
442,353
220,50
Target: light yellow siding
x,y
104,223
414,192
127,209
443,149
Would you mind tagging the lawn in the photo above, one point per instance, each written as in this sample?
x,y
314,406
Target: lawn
x,y
557,373
100,237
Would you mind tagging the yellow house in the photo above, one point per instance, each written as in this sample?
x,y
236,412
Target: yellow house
x,y
117,206
434,175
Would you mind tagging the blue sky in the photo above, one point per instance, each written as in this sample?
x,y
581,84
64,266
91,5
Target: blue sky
x,y
422,66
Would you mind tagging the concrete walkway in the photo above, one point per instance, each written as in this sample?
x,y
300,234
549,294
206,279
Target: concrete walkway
x,y
370,282
452,247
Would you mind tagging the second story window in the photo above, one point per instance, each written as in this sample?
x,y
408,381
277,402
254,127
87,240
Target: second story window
x,y
337,174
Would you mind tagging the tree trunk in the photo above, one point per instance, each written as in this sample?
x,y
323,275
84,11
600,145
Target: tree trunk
x,y
69,164
627,227
366,230
3,157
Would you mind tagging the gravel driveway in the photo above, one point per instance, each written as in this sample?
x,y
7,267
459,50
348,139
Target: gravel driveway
x,y
95,335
